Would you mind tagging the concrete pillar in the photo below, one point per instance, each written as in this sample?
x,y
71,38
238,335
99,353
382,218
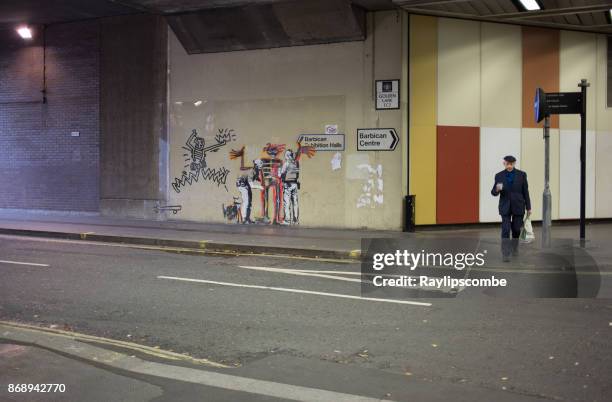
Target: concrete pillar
x,y
133,135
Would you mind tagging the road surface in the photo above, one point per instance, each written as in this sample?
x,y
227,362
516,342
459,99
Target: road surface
x,y
303,322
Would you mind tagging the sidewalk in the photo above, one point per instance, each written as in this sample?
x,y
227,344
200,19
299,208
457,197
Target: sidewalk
x,y
253,239
99,370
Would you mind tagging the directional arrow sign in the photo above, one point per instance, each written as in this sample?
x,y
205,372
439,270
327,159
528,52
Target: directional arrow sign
x,y
376,139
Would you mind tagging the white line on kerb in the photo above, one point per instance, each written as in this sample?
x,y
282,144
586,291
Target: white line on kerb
x,y
309,292
35,264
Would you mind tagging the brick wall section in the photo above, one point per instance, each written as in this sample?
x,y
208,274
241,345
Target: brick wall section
x,y
41,165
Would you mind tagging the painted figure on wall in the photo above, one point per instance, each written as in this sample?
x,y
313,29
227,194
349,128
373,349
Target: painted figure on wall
x,y
290,175
195,160
246,183
195,146
277,180
233,211
271,182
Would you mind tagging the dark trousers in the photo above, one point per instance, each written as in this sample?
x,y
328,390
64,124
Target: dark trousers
x,y
511,224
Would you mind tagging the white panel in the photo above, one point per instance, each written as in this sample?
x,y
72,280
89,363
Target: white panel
x,y
495,143
569,174
458,73
603,175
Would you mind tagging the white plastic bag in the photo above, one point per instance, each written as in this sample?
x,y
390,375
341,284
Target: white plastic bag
x,y
527,235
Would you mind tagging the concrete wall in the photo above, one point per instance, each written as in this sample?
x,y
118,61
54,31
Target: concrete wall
x,y
260,97
133,70
42,165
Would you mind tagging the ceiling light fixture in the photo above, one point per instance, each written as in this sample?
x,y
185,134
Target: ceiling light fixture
x,y
25,32
530,5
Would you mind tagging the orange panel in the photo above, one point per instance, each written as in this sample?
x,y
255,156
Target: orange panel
x,y
540,69
458,150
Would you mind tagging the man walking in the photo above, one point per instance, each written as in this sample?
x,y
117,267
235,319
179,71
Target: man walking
x,y
511,185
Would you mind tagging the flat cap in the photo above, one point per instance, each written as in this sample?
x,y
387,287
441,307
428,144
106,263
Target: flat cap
x,y
509,158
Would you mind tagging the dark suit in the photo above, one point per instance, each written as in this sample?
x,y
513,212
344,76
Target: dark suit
x,y
513,200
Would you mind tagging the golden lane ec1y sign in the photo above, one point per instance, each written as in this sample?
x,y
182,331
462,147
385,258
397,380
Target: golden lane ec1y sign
x,y
387,94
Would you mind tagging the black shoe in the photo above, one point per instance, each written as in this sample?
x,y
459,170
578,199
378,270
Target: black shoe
x,y
506,258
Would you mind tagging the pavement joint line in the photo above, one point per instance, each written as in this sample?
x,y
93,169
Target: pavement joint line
x,y
301,291
35,264
68,346
161,353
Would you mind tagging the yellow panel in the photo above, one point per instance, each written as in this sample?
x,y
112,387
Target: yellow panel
x,y
532,162
423,63
578,59
501,76
458,72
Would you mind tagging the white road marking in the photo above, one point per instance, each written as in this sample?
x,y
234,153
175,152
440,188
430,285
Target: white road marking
x,y
34,264
299,272
289,290
321,271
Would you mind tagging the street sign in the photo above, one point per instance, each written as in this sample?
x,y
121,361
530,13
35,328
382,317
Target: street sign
x,y
539,105
323,142
556,103
544,105
387,94
564,102
376,139
331,129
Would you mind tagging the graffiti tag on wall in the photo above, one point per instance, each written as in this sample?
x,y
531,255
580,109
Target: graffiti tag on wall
x,y
275,175
195,160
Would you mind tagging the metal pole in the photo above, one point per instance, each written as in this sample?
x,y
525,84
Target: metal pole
x,y
546,196
583,85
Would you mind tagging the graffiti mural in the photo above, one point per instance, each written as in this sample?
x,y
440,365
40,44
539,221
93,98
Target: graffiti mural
x,y
372,188
195,160
275,174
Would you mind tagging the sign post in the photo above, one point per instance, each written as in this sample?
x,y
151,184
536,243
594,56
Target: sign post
x,y
583,85
546,104
546,196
